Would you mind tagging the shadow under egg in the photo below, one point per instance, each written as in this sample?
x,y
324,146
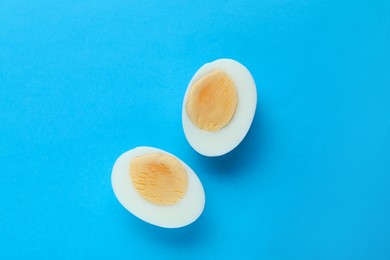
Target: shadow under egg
x,y
186,236
246,156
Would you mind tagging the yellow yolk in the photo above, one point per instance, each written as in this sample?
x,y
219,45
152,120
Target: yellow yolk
x,y
212,101
159,178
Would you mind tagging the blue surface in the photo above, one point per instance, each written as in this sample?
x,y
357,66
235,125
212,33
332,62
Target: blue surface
x,y
83,81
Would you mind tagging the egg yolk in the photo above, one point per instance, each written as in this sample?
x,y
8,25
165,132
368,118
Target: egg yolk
x,y
159,178
212,101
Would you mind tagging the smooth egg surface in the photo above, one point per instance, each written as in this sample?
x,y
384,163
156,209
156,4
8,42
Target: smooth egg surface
x,y
157,187
218,107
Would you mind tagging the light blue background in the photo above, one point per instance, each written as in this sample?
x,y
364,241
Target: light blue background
x,y
83,81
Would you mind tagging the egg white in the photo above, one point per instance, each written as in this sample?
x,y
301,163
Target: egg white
x,y
226,139
183,213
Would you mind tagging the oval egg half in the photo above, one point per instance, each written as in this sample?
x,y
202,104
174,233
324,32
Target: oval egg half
x,y
218,107
157,187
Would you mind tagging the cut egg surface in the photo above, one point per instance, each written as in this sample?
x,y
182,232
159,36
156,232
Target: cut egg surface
x,y
218,107
157,187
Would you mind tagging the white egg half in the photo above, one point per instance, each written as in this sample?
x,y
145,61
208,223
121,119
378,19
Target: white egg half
x,y
222,141
182,213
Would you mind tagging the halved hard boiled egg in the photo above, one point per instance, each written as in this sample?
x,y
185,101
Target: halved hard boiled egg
x,y
157,187
218,107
